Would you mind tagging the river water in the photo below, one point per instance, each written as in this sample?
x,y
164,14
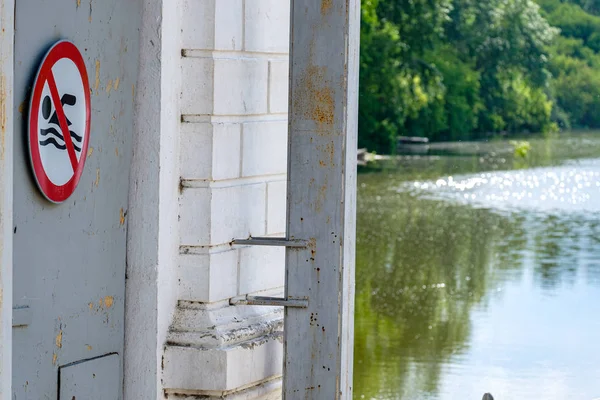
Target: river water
x,y
479,271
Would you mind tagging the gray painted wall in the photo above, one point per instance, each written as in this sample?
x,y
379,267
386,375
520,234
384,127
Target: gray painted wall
x,y
70,259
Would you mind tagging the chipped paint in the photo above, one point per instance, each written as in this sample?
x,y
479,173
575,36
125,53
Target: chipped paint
x,y
91,306
117,151
54,358
97,82
108,301
88,347
117,83
122,217
78,3
326,6
58,339
90,151
109,86
97,182
21,107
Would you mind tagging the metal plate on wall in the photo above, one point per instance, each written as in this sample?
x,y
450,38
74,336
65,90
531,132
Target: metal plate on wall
x,y
95,379
69,259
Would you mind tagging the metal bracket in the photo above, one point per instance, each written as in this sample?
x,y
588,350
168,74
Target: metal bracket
x,y
270,241
297,302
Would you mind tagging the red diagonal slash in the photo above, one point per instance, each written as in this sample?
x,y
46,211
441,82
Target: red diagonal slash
x,y
62,119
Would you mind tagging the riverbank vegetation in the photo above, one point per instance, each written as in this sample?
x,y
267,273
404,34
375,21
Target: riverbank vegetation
x,y
471,69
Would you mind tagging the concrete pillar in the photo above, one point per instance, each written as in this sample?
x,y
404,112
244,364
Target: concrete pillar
x,y
153,243
210,164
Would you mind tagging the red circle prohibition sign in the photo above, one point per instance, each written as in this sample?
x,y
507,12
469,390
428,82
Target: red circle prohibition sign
x,y
55,78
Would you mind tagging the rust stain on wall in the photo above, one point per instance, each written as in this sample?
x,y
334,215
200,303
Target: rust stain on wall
x,y
117,83
108,301
122,217
314,98
97,182
78,3
54,358
321,196
330,151
326,6
109,86
90,151
21,107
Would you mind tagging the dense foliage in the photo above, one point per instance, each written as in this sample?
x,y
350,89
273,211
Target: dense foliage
x,y
466,69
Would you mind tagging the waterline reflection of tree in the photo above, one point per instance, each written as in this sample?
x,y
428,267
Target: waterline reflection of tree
x,y
423,266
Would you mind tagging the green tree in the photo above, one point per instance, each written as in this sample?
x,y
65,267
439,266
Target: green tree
x,y
395,81
464,69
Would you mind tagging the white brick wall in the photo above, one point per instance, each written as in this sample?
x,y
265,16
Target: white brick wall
x,y
267,26
278,86
261,269
197,75
210,151
276,207
233,160
211,24
208,277
215,215
264,146
240,86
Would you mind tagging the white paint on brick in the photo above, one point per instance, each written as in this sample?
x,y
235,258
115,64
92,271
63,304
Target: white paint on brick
x,y
228,24
232,161
194,217
264,148
196,151
210,151
240,86
197,24
208,277
211,24
276,207
238,212
223,368
210,216
278,86
261,268
267,390
226,151
267,25
197,95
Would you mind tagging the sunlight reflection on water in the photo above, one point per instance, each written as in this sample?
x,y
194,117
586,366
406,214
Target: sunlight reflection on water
x,y
574,186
